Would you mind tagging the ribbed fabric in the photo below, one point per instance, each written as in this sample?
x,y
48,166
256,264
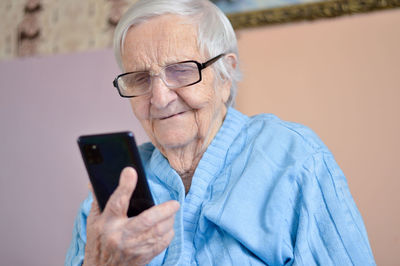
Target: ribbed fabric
x,y
266,192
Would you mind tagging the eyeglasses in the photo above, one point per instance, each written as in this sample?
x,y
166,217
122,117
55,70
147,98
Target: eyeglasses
x,y
174,76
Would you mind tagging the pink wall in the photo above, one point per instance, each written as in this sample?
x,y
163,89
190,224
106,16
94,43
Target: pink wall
x,y
45,105
341,77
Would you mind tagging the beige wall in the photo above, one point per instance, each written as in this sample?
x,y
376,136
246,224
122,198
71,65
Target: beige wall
x,y
340,77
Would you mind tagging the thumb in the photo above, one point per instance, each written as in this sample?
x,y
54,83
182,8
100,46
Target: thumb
x,y
118,203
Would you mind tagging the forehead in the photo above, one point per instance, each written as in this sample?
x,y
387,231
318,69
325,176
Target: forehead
x,y
160,41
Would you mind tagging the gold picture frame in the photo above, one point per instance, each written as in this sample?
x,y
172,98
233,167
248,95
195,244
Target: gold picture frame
x,y
307,11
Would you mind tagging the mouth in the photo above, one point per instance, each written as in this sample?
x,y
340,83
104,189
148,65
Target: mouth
x,y
173,115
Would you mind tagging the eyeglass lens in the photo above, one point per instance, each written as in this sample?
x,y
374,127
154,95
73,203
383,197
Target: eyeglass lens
x,y
174,76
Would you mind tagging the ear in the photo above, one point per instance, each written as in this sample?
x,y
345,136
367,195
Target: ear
x,y
231,59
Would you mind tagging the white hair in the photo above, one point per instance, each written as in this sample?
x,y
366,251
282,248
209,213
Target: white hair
x,y
215,32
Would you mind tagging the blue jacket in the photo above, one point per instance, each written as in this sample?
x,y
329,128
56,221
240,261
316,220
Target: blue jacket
x,y
266,192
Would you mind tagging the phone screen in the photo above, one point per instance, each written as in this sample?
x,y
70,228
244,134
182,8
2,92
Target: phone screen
x,y
105,156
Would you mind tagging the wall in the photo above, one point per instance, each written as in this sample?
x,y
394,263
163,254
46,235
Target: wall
x,y
45,104
341,78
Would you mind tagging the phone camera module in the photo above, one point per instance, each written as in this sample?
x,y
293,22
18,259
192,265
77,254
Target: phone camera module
x,y
92,154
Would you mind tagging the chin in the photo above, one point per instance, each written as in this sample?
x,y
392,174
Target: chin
x,y
174,141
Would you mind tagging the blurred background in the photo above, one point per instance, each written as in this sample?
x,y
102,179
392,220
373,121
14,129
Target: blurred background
x,y
339,76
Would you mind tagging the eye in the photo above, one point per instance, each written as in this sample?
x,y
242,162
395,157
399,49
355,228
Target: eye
x,y
135,79
181,68
181,71
140,78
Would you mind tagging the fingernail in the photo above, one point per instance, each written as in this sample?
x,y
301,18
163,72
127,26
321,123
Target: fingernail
x,y
128,171
177,204
127,174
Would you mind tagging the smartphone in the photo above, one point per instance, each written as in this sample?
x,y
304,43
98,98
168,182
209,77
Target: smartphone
x,y
105,156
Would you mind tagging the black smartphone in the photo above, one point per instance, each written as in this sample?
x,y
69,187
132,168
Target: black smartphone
x,y
105,156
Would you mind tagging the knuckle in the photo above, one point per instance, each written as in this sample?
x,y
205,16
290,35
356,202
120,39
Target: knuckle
x,y
163,241
112,241
127,253
112,205
160,244
146,219
118,203
158,230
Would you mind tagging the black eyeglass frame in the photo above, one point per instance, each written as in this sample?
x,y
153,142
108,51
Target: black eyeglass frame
x,y
200,67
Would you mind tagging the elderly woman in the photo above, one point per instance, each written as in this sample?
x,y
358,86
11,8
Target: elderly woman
x,y
230,189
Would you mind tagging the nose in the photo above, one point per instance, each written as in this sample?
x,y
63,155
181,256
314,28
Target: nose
x,y
161,95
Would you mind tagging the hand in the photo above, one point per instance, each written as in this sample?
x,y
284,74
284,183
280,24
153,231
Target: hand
x,y
115,239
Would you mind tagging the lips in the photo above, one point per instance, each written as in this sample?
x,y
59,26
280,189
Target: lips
x,y
170,116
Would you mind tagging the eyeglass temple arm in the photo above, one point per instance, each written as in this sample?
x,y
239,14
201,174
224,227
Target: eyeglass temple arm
x,y
211,61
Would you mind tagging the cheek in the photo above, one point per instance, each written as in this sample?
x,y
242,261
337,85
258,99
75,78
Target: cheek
x,y
140,108
208,108
198,97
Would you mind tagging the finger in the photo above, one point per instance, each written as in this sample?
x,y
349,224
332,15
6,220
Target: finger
x,y
153,216
118,203
95,209
153,246
163,227
155,232
94,212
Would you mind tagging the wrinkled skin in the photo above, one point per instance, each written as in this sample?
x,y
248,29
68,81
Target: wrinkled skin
x,y
115,239
181,123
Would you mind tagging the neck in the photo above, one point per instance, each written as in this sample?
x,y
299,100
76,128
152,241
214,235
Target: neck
x,y
184,159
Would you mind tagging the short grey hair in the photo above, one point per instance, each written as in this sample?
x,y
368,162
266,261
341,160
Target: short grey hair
x,y
215,32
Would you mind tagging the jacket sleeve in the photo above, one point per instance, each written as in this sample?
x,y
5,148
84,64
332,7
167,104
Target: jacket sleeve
x,y
76,251
330,230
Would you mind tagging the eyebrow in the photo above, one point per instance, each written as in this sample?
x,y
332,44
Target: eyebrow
x,y
169,62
